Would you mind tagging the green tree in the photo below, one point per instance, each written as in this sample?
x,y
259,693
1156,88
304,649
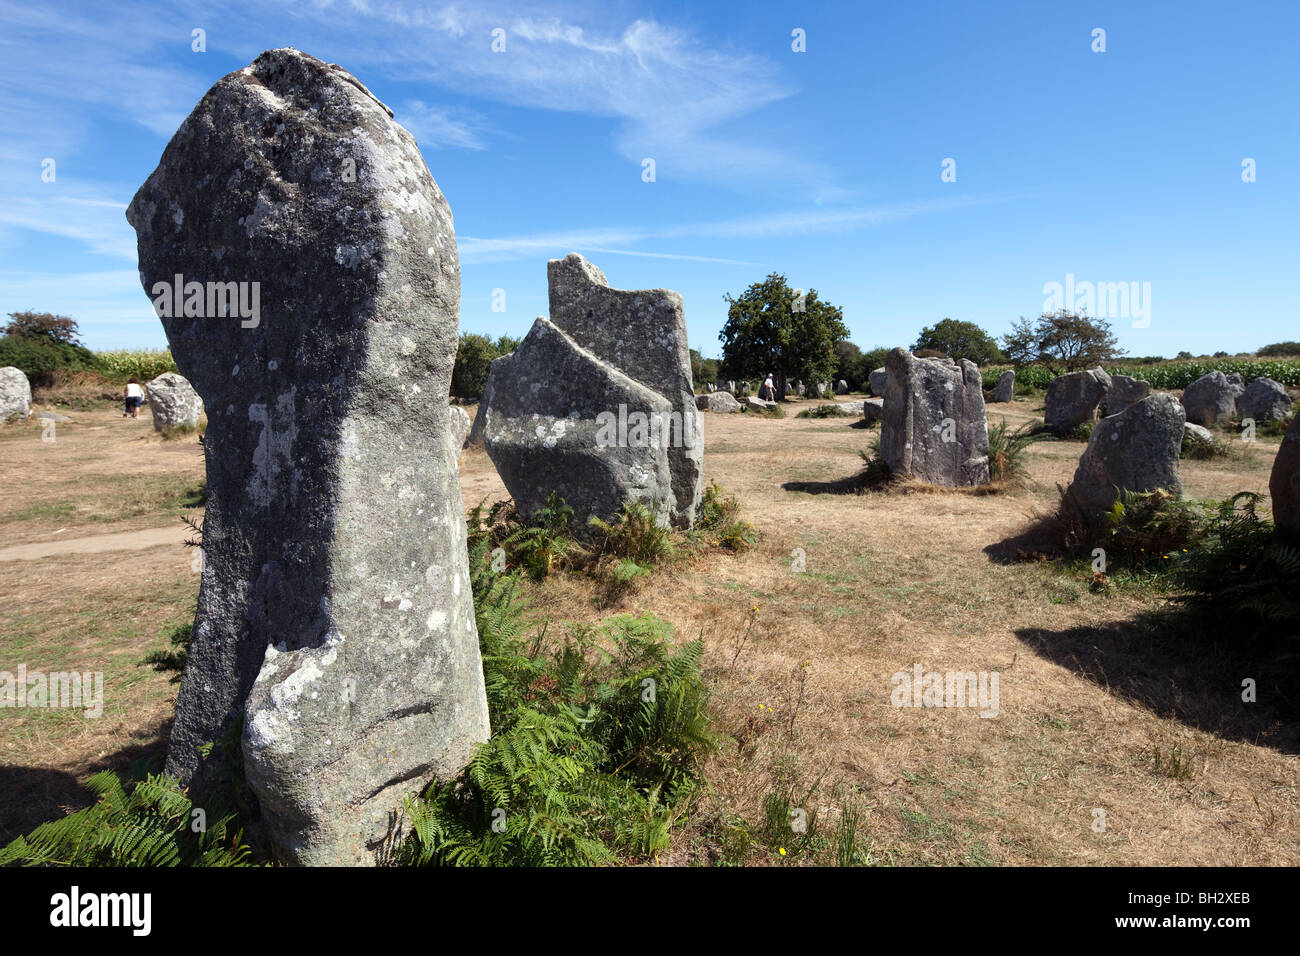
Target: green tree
x,y
1061,342
59,329
959,340
774,328
474,354
703,370
1279,350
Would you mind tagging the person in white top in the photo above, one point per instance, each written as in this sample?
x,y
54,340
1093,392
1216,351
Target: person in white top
x,y
134,396
770,387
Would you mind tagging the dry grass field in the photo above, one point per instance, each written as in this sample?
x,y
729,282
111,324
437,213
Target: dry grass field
x,y
1095,711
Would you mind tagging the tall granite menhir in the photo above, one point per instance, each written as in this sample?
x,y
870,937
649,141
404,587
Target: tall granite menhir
x,y
934,426
335,619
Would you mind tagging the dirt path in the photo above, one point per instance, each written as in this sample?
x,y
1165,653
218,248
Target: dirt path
x,y
125,541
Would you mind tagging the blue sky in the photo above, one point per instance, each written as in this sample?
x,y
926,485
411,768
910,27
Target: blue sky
x,y
1116,166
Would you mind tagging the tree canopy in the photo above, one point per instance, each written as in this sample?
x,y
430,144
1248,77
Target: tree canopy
x,y
959,340
774,328
474,355
1061,342
59,329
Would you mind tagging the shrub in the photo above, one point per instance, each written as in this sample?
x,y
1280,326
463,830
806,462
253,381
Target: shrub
x,y
39,357
1202,450
1153,530
718,521
1243,574
597,750
1007,449
148,825
823,411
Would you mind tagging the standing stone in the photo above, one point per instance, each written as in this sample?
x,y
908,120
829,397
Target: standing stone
x,y
335,617
1134,450
710,387
877,381
15,394
173,402
458,428
934,426
1211,398
873,409
717,402
1072,399
1005,390
597,403
841,387
1284,484
821,389
1265,401
1124,391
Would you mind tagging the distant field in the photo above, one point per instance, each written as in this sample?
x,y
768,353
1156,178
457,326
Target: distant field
x,y
1168,375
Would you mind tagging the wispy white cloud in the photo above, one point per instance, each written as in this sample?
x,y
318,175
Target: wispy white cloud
x,y
434,128
616,239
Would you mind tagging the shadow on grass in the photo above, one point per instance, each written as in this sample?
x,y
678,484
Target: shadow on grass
x,y
34,795
874,477
1175,665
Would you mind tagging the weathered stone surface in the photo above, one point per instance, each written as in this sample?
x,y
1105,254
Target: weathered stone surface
x,y
173,402
334,615
1196,433
1265,401
877,381
873,409
1210,398
458,426
1005,390
1134,450
717,402
15,393
1124,391
641,333
757,404
1284,484
841,387
934,426
1073,399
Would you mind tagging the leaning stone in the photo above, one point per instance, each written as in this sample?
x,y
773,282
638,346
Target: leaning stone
x,y
1124,391
1005,390
1073,399
1264,400
877,381
1284,484
15,393
717,402
1197,434
173,402
335,619
1211,398
642,333
934,427
1134,450
757,404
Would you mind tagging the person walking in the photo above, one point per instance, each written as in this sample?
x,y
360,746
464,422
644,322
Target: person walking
x,y
769,389
134,396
